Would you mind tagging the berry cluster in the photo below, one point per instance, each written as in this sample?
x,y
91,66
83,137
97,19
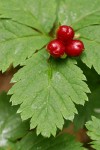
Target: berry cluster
x,y
65,44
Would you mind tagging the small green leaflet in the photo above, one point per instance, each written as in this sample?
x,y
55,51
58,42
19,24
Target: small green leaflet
x,y
18,42
47,91
11,126
61,142
94,132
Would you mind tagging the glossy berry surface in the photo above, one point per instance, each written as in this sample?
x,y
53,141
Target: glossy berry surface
x,y
56,48
74,48
65,33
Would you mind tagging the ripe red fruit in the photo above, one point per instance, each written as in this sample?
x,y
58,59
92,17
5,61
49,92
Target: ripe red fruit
x,y
74,48
56,48
65,33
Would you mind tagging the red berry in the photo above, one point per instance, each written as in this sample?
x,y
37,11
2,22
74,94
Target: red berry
x,y
56,48
65,33
74,48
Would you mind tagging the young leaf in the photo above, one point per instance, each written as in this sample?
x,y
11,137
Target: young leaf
x,y
61,142
94,132
35,13
47,91
18,42
11,126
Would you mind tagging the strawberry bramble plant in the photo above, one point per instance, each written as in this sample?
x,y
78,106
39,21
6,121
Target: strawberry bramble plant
x,y
49,93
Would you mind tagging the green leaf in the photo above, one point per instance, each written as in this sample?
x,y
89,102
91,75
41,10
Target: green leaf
x,y
92,107
61,142
18,42
79,13
94,132
47,91
35,13
90,36
11,126
14,134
